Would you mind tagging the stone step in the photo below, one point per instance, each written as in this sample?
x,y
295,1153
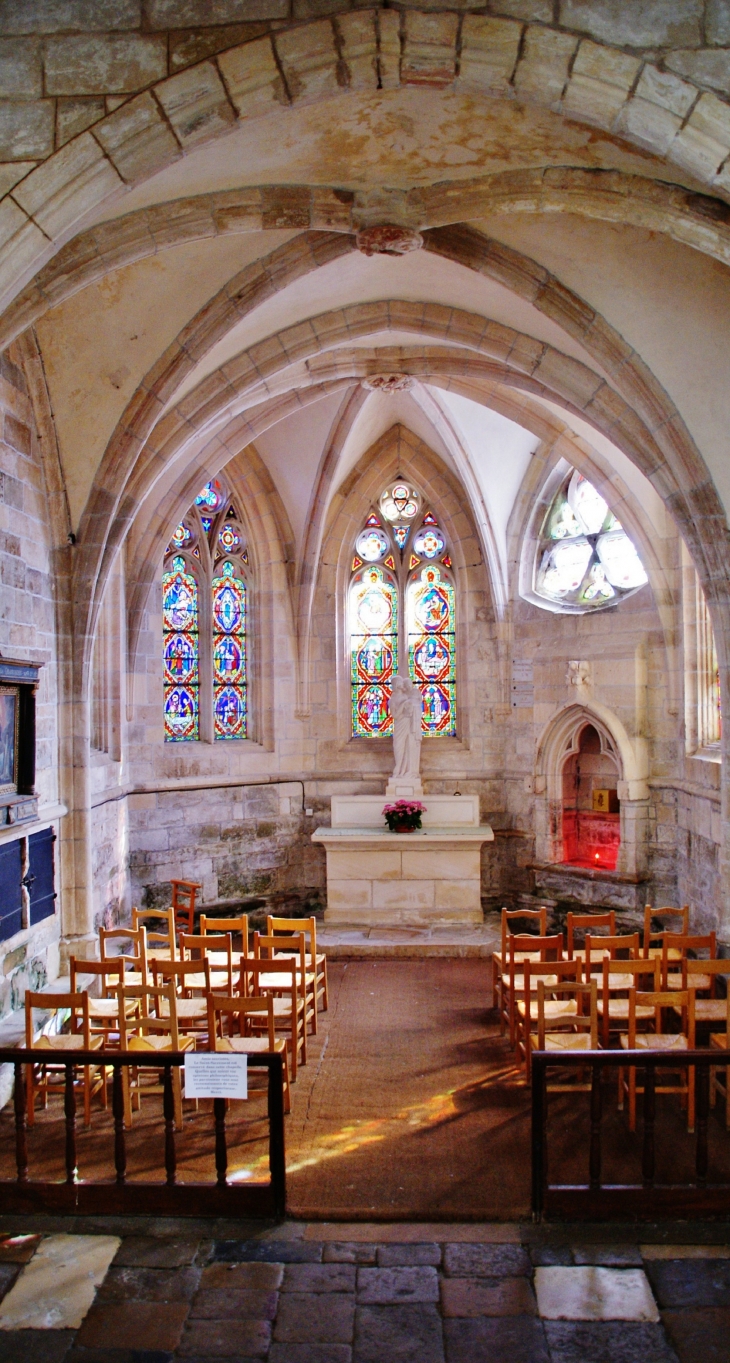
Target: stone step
x,y
358,944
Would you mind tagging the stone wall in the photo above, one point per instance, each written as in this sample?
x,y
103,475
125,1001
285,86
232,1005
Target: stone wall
x,y
28,632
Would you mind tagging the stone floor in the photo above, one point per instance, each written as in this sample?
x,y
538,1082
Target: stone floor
x,y
134,1291
408,943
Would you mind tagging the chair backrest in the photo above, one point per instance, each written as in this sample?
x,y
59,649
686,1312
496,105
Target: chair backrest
x,y
137,937
661,916
157,939
232,925
686,942
518,946
583,994
76,1004
641,968
109,973
611,946
713,968
536,916
183,903
295,925
219,1006
560,971
265,948
149,1015
179,971
587,922
195,947
253,967
660,1000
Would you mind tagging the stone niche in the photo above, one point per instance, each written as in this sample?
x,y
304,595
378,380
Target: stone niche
x,y
429,877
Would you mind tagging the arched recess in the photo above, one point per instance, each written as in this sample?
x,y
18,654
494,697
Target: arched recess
x,y
476,57
560,741
695,220
397,452
270,543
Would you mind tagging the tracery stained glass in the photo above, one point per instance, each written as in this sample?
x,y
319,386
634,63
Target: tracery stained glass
x,y
181,652
429,542
371,545
210,496
373,627
400,535
430,624
229,654
586,559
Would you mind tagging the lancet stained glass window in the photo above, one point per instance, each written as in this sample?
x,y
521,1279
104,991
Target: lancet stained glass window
x,y
585,560
205,622
181,651
402,603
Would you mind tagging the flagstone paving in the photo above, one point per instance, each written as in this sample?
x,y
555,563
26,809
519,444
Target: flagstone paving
x,y
128,1292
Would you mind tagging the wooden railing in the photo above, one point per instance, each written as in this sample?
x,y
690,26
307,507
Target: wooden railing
x,y
121,1195
645,1198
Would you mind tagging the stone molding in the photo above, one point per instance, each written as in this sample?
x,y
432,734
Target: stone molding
x,y
150,123
695,220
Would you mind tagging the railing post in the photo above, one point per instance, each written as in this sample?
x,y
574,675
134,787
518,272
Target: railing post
x,y
120,1148
221,1153
21,1130
594,1159
69,1108
648,1163
539,1136
703,1107
168,1109
277,1155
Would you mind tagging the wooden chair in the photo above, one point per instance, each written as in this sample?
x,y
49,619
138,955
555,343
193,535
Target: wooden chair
x,y
112,943
499,958
103,1011
678,917
702,976
47,1078
292,949
587,922
626,947
263,978
552,973
191,981
618,979
316,961
573,1029
719,1041
151,1024
246,1043
658,1040
183,905
161,941
520,950
675,949
216,949
232,925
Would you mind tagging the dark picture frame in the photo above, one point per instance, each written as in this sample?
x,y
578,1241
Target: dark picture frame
x,y
9,724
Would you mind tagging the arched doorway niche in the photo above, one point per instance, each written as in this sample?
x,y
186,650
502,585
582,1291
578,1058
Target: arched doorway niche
x,y
586,748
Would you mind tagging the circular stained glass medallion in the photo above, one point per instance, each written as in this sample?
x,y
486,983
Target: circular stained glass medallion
x,y
371,545
399,502
179,658
229,539
180,712
230,712
429,542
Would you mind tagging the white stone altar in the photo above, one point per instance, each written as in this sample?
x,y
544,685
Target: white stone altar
x,y
379,878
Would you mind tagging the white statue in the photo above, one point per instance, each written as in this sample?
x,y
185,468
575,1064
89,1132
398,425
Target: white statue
x,y
405,707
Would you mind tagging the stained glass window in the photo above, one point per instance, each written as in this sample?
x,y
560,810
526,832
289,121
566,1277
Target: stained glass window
x,y
181,651
585,559
430,620
229,654
206,645
373,651
401,604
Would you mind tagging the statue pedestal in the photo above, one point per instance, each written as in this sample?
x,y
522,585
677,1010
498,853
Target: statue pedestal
x,y
403,789
378,878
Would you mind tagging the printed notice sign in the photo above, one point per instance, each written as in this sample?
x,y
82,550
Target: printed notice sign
x,y
210,1075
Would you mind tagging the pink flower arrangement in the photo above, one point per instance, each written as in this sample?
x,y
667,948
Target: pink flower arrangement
x,y
404,815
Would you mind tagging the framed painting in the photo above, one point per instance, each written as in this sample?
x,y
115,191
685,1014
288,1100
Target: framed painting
x,y
9,718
